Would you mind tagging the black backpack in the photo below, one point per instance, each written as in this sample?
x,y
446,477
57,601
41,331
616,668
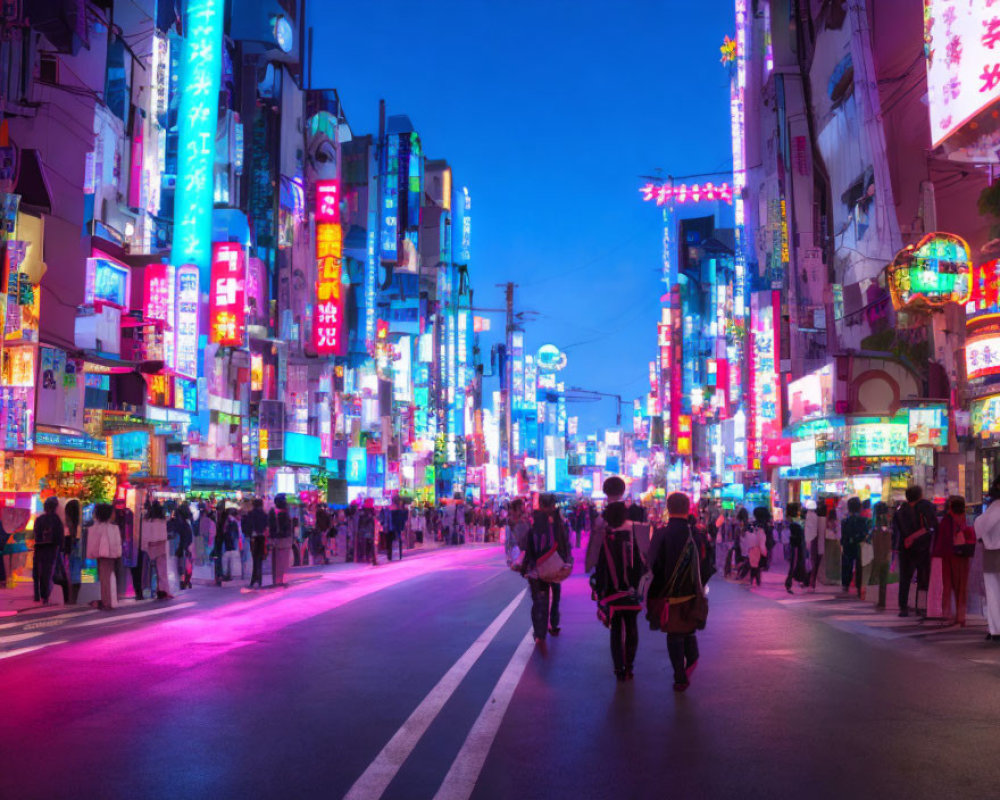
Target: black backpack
x,y
45,529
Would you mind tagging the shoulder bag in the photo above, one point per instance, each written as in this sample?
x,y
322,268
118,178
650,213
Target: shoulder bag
x,y
621,599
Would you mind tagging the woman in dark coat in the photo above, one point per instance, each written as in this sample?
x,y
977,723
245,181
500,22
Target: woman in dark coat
x,y
547,530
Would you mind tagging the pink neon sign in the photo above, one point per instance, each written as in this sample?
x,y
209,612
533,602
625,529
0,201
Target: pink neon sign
x,y
682,193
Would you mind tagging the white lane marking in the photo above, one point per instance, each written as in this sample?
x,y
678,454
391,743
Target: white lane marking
x,y
136,615
464,773
32,649
42,621
20,637
376,779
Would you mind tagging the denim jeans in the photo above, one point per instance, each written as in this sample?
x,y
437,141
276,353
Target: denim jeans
x,y
544,614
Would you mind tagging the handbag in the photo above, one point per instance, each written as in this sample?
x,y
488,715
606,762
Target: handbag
x,y
551,567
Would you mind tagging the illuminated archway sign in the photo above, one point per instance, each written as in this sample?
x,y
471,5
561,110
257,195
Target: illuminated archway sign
x,y
931,273
550,358
682,193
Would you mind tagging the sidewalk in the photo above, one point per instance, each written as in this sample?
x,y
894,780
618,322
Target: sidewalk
x,y
20,600
851,613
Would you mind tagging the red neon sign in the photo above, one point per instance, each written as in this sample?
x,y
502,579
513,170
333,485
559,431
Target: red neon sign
x,y
227,300
328,202
682,193
329,331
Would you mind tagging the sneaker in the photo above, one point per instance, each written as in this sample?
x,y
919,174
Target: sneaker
x,y
904,612
689,671
620,675
554,630
681,687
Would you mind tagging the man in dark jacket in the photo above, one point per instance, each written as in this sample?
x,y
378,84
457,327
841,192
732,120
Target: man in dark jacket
x,y
853,533
255,531
916,522
48,541
397,526
668,553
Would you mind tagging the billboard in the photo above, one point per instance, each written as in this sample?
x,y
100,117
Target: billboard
x,y
962,49
329,330
226,303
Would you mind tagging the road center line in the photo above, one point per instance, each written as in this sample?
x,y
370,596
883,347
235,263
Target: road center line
x,y
376,779
461,778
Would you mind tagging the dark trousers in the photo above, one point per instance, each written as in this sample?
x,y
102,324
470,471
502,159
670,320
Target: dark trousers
x,y
388,545
257,574
755,573
796,565
882,575
183,574
624,639
137,575
913,563
817,559
850,567
41,571
544,613
683,651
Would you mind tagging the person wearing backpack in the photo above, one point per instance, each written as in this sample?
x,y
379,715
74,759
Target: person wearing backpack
x,y
676,601
547,532
616,586
49,534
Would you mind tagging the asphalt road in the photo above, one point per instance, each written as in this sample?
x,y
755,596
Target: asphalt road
x,y
419,680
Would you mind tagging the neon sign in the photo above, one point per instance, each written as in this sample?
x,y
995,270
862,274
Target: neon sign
x,y
682,193
328,201
328,315
186,321
197,120
107,281
158,304
982,353
931,273
226,309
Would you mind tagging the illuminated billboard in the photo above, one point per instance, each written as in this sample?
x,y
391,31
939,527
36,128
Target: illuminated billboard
x,y
879,438
982,356
226,305
159,301
106,281
986,416
196,122
931,273
186,321
962,49
329,330
811,396
928,427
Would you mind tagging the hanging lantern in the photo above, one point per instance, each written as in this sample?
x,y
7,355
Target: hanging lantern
x,y
931,273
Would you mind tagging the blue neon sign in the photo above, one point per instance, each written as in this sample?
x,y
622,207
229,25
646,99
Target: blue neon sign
x,y
199,111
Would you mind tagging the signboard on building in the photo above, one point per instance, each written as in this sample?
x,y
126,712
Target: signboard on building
x,y
928,427
227,300
962,49
329,330
186,321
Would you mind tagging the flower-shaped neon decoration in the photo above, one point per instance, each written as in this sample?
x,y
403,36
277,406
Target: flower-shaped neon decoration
x,y
728,51
931,273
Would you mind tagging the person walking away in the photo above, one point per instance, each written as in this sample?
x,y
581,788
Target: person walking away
x,y
547,531
280,529
853,532
317,538
881,551
815,532
366,534
614,491
154,542
182,528
49,533
397,523
231,544
831,544
796,548
616,585
955,545
104,543
676,587
74,550
987,528
753,543
255,530
916,523
517,531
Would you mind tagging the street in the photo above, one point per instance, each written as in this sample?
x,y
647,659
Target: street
x,y
394,681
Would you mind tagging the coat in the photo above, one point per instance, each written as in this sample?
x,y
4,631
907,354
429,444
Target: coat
x,y
545,532
104,540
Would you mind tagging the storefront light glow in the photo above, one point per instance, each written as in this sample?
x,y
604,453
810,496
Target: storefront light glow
x,y
197,120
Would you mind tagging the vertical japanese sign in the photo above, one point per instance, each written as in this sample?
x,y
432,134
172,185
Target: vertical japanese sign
x,y
329,333
390,200
737,113
186,321
226,305
199,102
159,304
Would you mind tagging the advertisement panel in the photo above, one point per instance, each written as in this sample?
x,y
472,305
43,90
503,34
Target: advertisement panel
x,y
159,302
329,330
226,310
879,438
60,390
982,355
928,427
962,48
186,321
811,396
986,416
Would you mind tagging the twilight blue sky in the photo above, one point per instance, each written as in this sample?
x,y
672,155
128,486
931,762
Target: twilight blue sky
x,y
549,111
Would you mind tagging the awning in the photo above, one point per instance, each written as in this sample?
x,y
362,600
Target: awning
x,y
32,184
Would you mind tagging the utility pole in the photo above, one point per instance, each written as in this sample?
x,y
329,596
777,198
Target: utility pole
x,y
506,391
